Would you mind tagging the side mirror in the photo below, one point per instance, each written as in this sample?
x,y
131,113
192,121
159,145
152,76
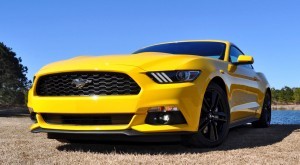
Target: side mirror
x,y
244,59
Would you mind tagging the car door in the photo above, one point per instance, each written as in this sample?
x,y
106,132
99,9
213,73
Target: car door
x,y
243,89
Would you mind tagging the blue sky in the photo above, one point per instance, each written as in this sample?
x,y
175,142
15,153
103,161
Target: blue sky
x,y
46,31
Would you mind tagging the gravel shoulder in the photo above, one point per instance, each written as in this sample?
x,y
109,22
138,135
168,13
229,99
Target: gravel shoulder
x,y
279,144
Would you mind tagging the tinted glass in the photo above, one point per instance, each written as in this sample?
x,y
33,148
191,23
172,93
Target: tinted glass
x,y
207,49
235,53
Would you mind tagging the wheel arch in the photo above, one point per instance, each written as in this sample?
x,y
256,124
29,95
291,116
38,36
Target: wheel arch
x,y
219,81
268,90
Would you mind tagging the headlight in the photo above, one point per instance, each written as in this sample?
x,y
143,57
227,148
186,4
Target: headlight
x,y
174,76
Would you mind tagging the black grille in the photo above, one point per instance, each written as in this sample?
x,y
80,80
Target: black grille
x,y
91,119
96,83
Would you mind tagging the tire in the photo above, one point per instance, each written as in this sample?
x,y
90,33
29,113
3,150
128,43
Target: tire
x,y
265,118
214,119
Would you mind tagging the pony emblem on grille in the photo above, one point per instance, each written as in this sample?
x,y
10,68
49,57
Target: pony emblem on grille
x,y
80,83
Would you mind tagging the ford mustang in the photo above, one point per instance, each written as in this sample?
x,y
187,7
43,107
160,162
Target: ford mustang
x,y
194,91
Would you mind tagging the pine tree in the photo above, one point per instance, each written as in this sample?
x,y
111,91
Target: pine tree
x,y
297,95
275,95
13,81
286,95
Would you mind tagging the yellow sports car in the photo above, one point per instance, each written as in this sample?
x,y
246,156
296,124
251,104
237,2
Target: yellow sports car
x,y
189,90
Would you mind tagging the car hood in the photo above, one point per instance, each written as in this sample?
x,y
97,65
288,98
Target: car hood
x,y
149,61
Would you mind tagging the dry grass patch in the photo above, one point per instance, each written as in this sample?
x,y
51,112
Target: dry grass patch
x,y
279,144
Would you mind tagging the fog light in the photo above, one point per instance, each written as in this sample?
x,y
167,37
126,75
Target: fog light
x,y
164,115
164,118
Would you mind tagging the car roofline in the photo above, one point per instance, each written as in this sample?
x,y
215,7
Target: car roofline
x,y
220,41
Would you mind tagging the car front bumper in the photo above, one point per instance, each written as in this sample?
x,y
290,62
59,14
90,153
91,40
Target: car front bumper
x,y
186,96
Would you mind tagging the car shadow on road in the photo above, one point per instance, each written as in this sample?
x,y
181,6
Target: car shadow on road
x,y
13,112
238,138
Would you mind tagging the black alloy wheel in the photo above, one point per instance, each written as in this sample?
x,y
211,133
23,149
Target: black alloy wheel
x,y
214,119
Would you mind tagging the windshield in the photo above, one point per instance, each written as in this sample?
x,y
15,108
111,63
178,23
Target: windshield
x,y
207,49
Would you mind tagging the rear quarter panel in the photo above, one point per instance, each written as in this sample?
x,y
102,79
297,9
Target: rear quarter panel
x,y
263,86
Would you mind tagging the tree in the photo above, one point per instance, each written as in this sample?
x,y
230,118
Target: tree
x,y
275,95
286,95
13,81
297,95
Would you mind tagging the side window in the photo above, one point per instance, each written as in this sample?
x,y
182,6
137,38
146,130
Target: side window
x,y
234,54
